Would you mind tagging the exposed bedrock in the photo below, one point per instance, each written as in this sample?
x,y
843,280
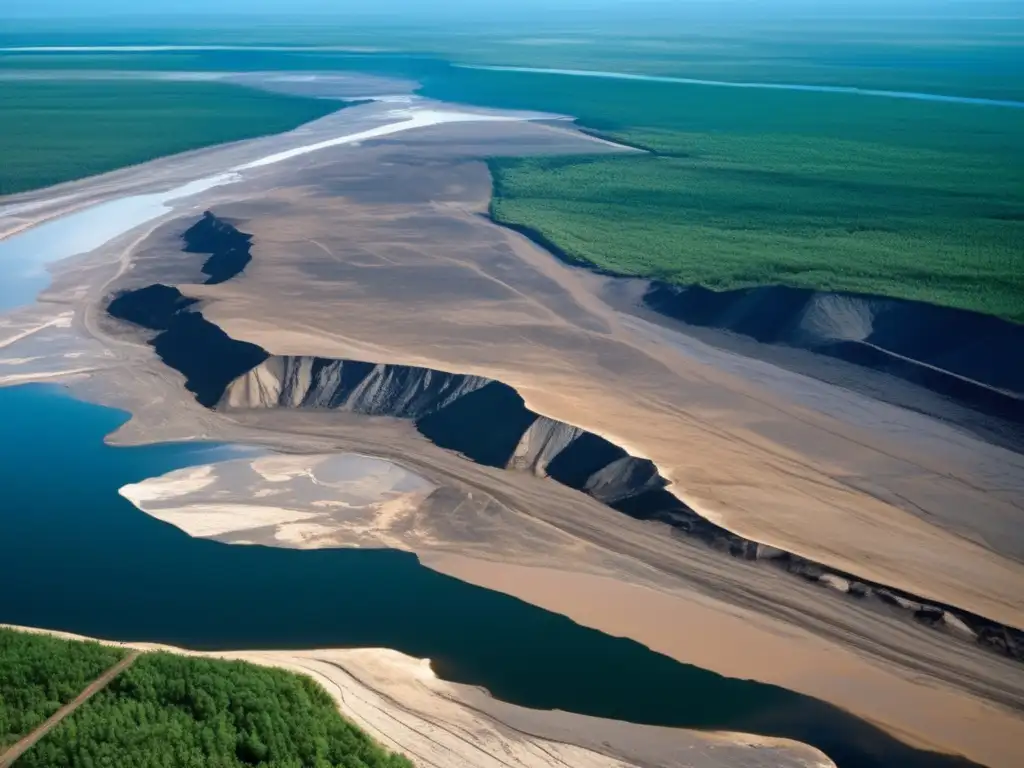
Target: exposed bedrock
x,y
229,249
965,356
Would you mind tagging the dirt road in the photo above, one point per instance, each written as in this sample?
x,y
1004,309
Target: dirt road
x,y
8,758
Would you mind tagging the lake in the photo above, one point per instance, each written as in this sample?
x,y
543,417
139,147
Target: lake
x,y
74,555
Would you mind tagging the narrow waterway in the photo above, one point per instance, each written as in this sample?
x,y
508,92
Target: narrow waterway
x,y
24,256
912,95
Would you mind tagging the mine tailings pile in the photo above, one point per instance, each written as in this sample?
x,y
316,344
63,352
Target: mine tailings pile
x,y
229,249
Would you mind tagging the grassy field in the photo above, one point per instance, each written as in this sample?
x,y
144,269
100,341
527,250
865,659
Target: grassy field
x,y
902,198
54,131
172,710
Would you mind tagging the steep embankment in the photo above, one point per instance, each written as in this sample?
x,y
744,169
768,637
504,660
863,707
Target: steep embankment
x,y
965,356
488,422
189,343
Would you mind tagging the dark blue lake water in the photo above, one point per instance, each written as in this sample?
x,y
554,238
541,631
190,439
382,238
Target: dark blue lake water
x,y
74,555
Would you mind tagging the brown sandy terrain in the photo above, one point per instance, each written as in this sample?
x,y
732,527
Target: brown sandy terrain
x,y
482,300
382,255
614,576
403,705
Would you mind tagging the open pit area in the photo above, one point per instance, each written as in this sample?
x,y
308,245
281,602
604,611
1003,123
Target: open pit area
x,y
417,377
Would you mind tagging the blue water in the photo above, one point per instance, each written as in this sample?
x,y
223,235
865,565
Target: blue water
x,y
76,556
769,86
24,256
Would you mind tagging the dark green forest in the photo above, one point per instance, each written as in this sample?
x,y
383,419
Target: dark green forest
x,y
55,131
39,674
168,710
174,711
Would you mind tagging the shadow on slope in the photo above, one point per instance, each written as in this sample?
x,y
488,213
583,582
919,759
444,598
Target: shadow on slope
x,y
488,422
229,249
964,356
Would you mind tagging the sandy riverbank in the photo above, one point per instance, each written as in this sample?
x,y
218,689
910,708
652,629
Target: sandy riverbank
x,y
279,502
382,255
401,703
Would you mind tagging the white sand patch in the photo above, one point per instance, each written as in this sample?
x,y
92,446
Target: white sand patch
x,y
355,501
408,119
281,469
170,486
206,520
28,378
299,535
60,321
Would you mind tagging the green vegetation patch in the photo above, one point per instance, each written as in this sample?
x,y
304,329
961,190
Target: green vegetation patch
x,y
39,674
54,131
902,198
169,710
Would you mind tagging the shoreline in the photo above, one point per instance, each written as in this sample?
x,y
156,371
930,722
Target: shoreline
x,y
402,704
551,390
744,645
953,716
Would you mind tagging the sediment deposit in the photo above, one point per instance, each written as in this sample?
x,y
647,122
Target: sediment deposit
x,y
380,310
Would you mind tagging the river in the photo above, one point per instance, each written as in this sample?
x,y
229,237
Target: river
x,y
76,556
912,95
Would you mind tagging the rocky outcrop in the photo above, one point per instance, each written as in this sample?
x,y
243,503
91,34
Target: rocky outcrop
x,y
965,356
229,249
488,421
485,420
349,385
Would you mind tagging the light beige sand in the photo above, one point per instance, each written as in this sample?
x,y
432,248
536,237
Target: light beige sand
x,y
401,703
921,685
740,643
290,501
